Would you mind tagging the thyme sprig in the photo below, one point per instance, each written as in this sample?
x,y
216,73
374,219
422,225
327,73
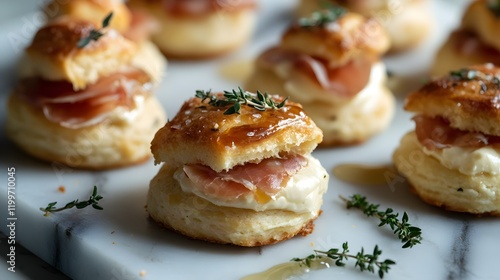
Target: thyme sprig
x,y
92,201
240,97
365,262
94,34
321,18
408,234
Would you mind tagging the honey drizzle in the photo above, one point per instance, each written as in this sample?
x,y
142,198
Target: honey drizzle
x,y
289,269
367,175
238,70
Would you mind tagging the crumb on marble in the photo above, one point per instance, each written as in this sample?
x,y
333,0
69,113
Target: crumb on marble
x,y
112,232
142,273
61,189
312,244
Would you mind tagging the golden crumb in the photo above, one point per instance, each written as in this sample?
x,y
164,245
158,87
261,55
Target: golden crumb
x,y
142,273
61,189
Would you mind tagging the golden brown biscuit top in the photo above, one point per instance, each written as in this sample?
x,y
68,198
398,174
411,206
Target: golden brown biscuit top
x,y
231,139
349,37
469,98
200,122
94,11
59,38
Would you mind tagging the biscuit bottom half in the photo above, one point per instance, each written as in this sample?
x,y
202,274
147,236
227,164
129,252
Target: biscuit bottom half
x,y
115,142
198,218
443,187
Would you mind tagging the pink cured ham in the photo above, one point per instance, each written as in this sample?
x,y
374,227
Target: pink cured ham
x,y
269,176
436,133
468,43
203,7
346,80
143,25
76,109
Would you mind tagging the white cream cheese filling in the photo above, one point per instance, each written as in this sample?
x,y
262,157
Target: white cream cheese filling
x,y
303,192
468,161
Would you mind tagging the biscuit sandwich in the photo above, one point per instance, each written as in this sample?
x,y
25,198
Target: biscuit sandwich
x,y
476,41
330,63
237,173
406,21
198,29
452,159
80,101
136,26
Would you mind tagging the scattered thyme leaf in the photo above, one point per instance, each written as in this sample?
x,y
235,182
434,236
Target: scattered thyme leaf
x,y
92,201
237,98
94,34
365,262
464,74
408,234
330,13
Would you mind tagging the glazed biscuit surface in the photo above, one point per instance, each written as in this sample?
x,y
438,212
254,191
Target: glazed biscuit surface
x,y
54,53
202,133
94,11
469,99
349,37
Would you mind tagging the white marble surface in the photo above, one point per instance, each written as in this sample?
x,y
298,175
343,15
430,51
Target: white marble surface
x,y
120,242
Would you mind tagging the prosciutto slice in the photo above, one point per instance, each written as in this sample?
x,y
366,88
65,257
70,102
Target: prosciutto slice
x,y
203,7
346,80
269,176
436,133
143,25
76,109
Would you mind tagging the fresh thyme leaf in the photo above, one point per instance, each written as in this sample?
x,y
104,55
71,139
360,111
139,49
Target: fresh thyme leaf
x,y
92,201
330,13
408,234
94,35
236,98
107,20
365,262
464,74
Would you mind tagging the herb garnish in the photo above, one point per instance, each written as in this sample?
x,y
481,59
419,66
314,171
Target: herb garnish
x,y
94,35
407,233
240,97
464,74
365,262
320,18
93,201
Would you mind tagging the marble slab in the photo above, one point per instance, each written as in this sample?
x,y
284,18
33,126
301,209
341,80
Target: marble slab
x,y
120,242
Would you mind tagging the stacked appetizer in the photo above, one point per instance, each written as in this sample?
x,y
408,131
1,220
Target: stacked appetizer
x,y
406,21
477,41
330,63
135,26
238,169
194,29
451,159
80,100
